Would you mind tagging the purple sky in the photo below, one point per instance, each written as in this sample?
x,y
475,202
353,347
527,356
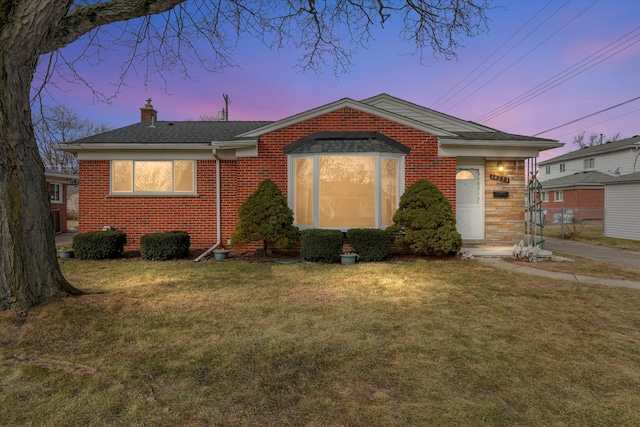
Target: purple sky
x,y
512,59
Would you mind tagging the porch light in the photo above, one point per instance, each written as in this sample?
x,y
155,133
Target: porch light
x,y
500,167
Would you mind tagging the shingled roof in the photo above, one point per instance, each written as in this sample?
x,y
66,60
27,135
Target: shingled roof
x,y
166,132
585,179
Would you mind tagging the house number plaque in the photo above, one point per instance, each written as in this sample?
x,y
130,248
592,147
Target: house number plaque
x,y
499,178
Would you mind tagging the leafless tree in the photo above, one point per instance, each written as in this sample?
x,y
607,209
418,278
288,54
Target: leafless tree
x,y
594,139
163,36
60,125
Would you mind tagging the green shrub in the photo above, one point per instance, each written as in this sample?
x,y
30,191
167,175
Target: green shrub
x,y
370,244
321,245
425,221
265,216
99,244
162,246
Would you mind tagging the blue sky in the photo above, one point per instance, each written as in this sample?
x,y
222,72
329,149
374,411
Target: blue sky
x,y
578,56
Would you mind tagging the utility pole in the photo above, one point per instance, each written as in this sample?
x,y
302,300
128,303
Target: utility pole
x,y
226,106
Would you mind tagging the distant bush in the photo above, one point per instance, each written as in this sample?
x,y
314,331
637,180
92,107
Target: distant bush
x,y
425,221
371,244
99,244
162,246
321,245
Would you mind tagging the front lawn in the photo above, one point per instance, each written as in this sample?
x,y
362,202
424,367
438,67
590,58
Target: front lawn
x,y
437,343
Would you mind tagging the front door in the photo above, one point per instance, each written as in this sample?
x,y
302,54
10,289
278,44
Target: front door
x,y
470,202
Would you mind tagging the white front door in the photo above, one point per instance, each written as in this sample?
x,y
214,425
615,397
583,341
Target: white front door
x,y
470,202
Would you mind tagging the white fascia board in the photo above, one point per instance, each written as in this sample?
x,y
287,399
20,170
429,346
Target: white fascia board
x,y
231,150
337,105
59,177
496,149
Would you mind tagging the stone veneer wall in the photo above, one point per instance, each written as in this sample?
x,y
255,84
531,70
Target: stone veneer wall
x,y
505,218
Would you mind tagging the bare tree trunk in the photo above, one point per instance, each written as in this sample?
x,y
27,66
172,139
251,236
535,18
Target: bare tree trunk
x,y
29,270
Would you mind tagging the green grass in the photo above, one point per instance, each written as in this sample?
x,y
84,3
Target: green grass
x,y
438,343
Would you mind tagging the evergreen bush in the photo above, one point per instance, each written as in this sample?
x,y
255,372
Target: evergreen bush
x,y
265,217
99,244
321,245
425,221
371,244
163,246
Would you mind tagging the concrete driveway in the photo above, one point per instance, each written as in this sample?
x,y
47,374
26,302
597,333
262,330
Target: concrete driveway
x,y
619,257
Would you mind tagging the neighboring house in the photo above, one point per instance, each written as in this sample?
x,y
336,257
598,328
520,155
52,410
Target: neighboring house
x,y
57,183
622,205
574,182
340,165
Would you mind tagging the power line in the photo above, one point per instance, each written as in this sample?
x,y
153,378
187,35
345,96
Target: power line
x,y
435,104
524,56
589,115
563,76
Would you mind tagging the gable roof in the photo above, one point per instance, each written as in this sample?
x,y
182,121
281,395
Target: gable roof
x,y
608,147
579,179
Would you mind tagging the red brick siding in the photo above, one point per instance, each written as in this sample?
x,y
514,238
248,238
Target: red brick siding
x,y
589,200
138,216
141,215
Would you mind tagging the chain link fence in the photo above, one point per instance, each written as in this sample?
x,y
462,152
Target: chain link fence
x,y
572,222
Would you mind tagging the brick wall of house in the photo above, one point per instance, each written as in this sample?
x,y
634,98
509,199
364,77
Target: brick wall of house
x,y
196,215
586,203
504,217
138,216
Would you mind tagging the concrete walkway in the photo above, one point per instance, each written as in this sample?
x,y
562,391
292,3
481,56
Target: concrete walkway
x,y
518,268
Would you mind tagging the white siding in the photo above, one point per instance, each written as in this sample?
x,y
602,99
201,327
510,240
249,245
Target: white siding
x,y
606,163
621,211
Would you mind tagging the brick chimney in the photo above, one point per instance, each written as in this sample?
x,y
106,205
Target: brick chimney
x,y
147,112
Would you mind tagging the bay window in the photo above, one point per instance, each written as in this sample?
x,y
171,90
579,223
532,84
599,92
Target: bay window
x,y
345,191
152,177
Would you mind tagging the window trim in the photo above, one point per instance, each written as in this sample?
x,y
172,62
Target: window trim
x,y
589,163
562,167
291,158
558,196
59,192
134,193
547,170
544,196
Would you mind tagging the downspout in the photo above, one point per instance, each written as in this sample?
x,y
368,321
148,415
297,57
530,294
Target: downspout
x,y
218,215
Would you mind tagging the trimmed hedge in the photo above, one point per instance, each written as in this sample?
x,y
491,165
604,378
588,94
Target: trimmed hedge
x,y
321,245
99,244
371,244
163,246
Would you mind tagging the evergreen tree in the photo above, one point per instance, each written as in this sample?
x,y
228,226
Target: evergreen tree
x,y
425,221
265,216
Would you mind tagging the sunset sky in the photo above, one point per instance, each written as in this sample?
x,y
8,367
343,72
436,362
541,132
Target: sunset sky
x,y
578,57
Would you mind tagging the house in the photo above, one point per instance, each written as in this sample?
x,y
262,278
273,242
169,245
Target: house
x,y
58,183
573,183
341,165
622,204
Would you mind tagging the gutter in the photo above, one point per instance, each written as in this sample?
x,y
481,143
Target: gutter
x,y
218,216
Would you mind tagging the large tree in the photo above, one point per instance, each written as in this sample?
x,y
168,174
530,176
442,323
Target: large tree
x,y
160,35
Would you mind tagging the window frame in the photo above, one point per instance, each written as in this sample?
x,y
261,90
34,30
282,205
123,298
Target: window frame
x,y
558,196
562,167
57,192
589,163
136,193
378,156
547,170
544,196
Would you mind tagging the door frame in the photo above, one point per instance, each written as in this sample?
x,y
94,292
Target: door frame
x,y
481,236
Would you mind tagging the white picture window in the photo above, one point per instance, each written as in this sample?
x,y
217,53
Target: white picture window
x,y
55,192
345,191
152,177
